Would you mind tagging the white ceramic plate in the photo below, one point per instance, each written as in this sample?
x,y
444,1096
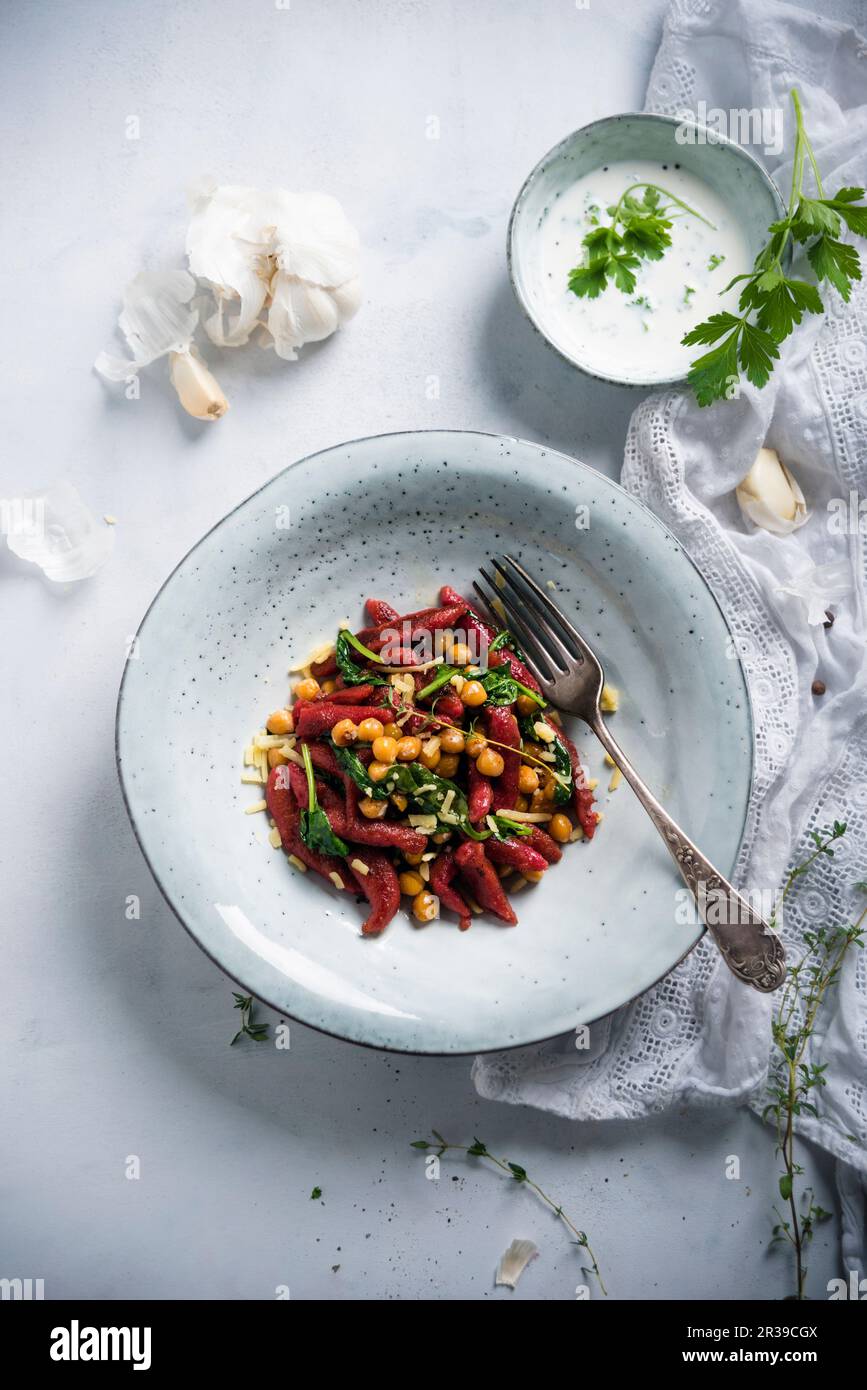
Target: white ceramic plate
x,y
394,517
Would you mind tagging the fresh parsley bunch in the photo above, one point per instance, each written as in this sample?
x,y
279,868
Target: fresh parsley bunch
x,y
640,229
773,303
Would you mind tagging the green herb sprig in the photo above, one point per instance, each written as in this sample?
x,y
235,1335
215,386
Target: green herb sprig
x,y
518,1174
640,229
249,1028
792,1080
773,303
314,825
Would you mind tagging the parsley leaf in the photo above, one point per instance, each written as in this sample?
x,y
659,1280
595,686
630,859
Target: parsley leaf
x,y
712,376
639,230
588,281
772,303
835,261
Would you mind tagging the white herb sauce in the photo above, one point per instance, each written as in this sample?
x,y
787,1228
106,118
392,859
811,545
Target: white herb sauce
x,y
638,335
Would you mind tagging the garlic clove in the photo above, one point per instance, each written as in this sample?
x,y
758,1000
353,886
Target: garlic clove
x,y
770,497
228,245
347,297
314,240
55,530
300,313
198,391
514,1261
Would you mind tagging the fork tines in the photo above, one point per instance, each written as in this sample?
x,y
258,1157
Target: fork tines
x,y
550,642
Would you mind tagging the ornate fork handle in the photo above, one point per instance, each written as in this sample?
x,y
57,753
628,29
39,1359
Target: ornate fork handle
x,y
750,949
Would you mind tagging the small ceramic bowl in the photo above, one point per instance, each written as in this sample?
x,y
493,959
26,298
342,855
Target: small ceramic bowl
x,y
729,170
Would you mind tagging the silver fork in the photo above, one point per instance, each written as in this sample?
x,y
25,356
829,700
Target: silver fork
x,y
571,677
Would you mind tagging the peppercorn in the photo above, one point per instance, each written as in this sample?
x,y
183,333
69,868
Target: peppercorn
x,y
818,687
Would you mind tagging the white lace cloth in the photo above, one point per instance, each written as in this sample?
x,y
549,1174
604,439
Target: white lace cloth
x,y
700,1036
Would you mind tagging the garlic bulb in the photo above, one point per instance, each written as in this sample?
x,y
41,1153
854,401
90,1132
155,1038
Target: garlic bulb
x,y
56,531
514,1261
293,257
770,497
198,391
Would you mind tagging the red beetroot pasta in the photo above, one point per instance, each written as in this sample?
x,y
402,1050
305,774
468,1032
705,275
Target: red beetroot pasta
x,y
375,784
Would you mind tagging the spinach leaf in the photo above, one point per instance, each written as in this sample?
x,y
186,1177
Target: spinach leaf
x,y
352,673
409,779
505,639
315,827
503,689
562,764
351,763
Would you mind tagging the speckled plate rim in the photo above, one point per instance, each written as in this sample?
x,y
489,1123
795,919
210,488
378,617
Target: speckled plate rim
x,y
537,170
309,458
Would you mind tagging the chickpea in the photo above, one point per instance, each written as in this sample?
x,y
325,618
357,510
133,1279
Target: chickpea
x,y
448,765
414,859
526,705
400,801
369,730
490,762
329,687
307,689
276,758
460,654
540,801
371,808
408,748
385,749
411,884
452,741
473,693
533,875
441,836
344,733
474,745
528,780
430,755
376,771
391,731
559,827
425,906
280,722
522,803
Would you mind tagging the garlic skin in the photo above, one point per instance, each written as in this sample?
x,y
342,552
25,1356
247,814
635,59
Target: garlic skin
x,y
198,391
157,318
770,497
292,257
514,1261
818,587
55,530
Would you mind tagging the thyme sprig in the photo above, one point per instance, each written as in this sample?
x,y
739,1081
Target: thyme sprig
x,y
518,1174
792,1079
249,1027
